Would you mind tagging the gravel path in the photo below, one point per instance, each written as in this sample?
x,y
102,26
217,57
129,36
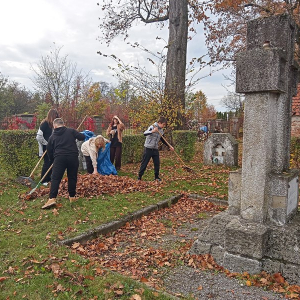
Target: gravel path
x,y
185,281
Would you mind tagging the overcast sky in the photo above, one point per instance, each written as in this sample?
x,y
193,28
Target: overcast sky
x,y
31,28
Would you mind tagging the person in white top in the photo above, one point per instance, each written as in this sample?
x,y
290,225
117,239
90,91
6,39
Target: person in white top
x,y
90,149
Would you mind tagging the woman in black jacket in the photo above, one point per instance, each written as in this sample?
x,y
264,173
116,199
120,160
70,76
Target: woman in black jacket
x,y
42,137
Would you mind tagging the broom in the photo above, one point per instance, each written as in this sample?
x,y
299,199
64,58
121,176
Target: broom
x,y
40,182
184,166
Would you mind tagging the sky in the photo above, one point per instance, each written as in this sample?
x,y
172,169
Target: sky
x,y
31,29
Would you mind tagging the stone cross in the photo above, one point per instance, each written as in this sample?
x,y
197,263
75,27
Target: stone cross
x,y
267,74
260,229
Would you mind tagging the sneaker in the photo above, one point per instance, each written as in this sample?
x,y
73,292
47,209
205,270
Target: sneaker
x,y
157,179
139,178
72,199
51,202
45,183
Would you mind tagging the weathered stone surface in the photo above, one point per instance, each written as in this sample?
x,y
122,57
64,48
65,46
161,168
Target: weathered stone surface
x,y
284,242
291,273
234,192
200,247
214,233
218,254
258,152
246,238
273,29
261,70
236,263
221,148
284,194
271,266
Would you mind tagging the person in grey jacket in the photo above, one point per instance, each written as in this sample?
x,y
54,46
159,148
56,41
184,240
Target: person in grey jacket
x,y
153,136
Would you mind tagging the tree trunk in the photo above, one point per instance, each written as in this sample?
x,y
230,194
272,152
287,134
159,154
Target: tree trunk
x,y
176,56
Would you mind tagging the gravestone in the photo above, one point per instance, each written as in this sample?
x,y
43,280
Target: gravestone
x,y
261,228
221,148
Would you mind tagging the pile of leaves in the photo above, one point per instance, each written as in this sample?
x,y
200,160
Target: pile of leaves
x,y
95,185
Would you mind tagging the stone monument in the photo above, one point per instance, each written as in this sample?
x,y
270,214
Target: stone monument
x,y
261,228
221,148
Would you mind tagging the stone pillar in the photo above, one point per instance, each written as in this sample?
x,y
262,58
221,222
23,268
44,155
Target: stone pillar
x,y
98,124
266,74
254,233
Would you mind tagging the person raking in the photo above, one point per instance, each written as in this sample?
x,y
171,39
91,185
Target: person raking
x,y
63,152
153,136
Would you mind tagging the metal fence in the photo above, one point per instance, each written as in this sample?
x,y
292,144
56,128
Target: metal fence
x,y
98,126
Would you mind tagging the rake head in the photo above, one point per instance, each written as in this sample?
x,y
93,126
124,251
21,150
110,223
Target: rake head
x,y
188,169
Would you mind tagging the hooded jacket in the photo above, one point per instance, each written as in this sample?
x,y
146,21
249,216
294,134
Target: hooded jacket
x,y
152,139
63,142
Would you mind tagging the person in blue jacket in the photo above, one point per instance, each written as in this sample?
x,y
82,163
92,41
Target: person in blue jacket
x,y
153,135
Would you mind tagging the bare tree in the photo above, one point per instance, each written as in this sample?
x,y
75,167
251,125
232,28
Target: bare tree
x,y
233,102
57,77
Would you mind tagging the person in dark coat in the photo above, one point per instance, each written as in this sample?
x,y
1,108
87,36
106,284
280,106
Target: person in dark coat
x,y
63,153
42,136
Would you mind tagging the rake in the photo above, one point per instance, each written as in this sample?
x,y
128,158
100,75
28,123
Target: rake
x,y
40,182
184,166
29,180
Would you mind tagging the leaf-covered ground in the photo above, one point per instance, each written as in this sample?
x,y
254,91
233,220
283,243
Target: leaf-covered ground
x,y
150,248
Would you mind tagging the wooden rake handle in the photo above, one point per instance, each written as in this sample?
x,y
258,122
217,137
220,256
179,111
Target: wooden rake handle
x,y
171,146
38,163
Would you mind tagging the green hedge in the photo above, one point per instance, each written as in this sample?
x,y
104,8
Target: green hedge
x,y
133,147
295,152
184,141
18,151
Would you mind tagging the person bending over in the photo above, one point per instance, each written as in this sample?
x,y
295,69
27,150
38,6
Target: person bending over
x,y
63,152
90,150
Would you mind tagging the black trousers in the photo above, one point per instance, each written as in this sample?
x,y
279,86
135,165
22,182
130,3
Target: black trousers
x,y
46,166
148,154
60,164
115,156
89,164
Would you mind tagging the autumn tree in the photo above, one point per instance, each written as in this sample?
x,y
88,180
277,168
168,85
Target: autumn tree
x,y
226,32
122,15
196,103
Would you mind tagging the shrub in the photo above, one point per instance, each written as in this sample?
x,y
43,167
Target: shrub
x,y
133,147
295,152
18,151
184,141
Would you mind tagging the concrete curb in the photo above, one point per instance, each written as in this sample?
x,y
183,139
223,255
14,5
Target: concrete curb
x,y
213,200
115,225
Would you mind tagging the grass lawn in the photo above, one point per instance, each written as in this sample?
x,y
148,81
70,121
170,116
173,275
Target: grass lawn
x,y
34,266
